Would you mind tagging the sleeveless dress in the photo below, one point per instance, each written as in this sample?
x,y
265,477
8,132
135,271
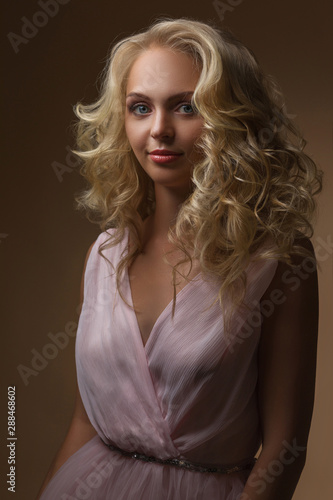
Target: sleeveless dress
x,y
189,393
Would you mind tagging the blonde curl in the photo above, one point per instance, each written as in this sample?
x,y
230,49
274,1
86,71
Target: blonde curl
x,y
254,184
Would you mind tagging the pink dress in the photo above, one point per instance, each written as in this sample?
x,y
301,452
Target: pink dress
x,y
189,393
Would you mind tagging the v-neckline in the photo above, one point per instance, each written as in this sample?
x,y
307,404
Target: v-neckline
x,y
162,314
164,311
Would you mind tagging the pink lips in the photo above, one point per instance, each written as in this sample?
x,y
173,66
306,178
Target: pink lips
x,y
164,155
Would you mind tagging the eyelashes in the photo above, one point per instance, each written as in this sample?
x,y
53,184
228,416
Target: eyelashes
x,y
133,108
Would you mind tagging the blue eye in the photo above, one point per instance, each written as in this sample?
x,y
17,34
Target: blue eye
x,y
135,106
137,109
188,105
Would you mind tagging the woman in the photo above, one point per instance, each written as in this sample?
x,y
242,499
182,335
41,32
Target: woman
x,y
198,331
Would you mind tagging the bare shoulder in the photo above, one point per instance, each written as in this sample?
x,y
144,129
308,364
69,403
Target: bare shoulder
x,y
296,282
294,288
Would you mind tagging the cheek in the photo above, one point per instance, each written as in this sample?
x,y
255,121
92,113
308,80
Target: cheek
x,y
195,152
134,134
127,131
130,135
195,132
193,140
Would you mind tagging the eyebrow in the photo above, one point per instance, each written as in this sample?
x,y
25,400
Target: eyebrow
x,y
181,95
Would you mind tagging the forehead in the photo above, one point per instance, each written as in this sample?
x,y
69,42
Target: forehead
x,y
161,69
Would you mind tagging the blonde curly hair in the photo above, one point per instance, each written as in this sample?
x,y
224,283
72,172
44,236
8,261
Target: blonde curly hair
x,y
253,184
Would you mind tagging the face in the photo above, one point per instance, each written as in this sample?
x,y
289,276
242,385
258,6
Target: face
x,y
159,116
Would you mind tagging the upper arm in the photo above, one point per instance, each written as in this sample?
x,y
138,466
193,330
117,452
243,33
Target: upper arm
x,y
287,355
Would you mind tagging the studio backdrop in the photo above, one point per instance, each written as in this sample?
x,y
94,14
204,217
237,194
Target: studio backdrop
x,y
53,53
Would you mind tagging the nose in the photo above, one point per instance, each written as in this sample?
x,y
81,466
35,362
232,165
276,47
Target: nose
x,y
162,124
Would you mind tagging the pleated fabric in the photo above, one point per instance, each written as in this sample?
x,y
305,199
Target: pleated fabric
x,y
189,393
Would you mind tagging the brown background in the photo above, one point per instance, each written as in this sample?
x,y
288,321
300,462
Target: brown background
x,y
43,241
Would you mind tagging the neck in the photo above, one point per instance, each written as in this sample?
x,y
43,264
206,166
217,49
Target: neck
x,y
168,203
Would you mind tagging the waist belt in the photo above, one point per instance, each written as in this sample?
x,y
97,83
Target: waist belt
x,y
183,464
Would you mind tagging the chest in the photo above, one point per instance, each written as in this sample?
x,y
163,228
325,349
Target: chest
x,y
152,290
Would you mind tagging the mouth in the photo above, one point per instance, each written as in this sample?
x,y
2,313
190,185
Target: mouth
x,y
164,155
162,152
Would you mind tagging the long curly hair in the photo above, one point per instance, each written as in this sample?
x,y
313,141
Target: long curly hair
x,y
253,183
